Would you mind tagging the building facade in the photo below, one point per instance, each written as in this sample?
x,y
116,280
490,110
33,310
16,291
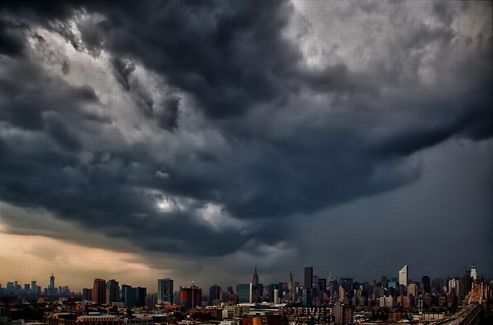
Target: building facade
x,y
165,291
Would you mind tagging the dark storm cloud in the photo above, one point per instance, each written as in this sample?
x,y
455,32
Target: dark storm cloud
x,y
10,42
470,116
123,70
43,167
209,50
287,151
168,118
23,106
57,129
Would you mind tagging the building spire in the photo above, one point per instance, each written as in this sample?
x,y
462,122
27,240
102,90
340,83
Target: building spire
x,y
255,280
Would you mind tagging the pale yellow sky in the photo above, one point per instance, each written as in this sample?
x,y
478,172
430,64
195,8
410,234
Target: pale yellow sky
x,y
26,257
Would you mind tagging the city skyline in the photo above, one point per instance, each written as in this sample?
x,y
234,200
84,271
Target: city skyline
x,y
197,140
317,300
301,279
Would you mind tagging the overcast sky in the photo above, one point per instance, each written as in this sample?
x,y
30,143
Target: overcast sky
x,y
196,140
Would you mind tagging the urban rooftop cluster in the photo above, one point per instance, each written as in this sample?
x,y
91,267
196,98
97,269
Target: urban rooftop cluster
x,y
340,300
313,291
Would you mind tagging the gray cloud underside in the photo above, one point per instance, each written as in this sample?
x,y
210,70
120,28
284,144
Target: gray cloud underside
x,y
297,139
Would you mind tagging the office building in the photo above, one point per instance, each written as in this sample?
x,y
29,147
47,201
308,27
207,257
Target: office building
x,y
412,289
255,280
141,296
129,296
307,296
165,291
87,294
52,282
214,295
190,297
474,272
384,281
437,285
99,292
308,277
343,314
453,286
426,283
403,276
112,292
244,292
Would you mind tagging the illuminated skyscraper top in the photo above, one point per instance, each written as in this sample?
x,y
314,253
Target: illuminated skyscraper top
x,y
474,272
403,276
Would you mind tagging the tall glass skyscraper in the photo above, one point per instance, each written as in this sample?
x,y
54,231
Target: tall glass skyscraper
x,y
52,281
165,291
308,277
403,277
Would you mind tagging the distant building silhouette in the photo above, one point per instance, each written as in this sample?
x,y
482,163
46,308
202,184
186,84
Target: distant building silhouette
x,y
291,289
99,291
255,280
214,295
112,291
87,294
52,281
426,283
129,296
165,291
308,277
244,293
190,297
308,286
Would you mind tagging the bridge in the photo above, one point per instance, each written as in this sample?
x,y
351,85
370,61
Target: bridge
x,y
469,315
476,306
478,294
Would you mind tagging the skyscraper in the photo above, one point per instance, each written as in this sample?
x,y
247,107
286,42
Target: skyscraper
x,y
308,286
141,296
453,286
384,281
255,280
244,293
165,291
129,296
438,284
52,281
112,291
256,287
426,283
291,287
474,272
124,287
403,276
87,294
214,294
308,277
99,291
190,297
322,284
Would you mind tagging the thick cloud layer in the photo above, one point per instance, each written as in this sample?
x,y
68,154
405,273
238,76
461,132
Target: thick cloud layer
x,y
181,126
